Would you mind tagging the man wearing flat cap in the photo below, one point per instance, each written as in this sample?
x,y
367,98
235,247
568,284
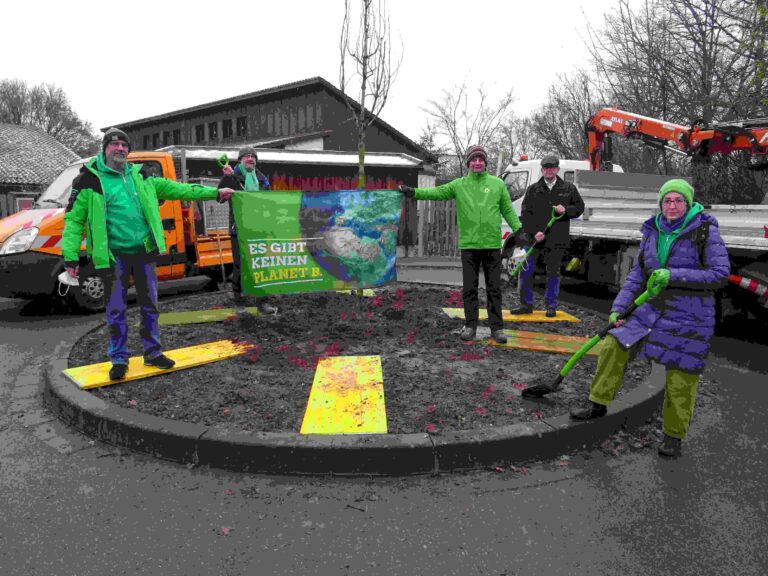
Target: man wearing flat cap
x,y
481,201
245,177
550,193
117,209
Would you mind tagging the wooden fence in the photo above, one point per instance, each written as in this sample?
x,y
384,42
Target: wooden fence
x,y
437,235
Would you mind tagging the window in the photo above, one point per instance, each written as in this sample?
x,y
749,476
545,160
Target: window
x,y
177,136
242,126
516,183
226,128
166,138
213,131
155,140
146,142
199,133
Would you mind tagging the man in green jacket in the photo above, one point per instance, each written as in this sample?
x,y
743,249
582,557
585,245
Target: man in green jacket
x,y
481,201
118,211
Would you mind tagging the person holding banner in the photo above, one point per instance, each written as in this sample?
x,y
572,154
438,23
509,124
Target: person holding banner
x,y
117,209
481,201
244,177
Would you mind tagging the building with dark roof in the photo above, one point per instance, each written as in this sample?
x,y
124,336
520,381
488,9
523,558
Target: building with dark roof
x,y
309,114
29,161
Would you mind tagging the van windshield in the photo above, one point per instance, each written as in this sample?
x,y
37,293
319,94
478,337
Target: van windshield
x,y
57,194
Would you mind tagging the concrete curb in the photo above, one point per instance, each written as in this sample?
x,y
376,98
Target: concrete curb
x,y
293,453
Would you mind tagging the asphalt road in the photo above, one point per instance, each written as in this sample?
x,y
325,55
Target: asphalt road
x,y
74,507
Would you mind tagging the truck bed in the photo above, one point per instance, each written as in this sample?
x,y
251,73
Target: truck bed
x,y
616,205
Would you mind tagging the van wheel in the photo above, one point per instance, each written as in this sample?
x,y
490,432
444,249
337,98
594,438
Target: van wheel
x,y
90,295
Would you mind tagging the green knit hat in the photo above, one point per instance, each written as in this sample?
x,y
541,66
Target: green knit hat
x,y
681,187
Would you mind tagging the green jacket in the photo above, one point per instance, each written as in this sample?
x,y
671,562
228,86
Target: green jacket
x,y
86,210
481,201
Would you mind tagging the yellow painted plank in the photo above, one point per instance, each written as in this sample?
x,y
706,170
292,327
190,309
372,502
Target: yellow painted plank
x,y
536,316
201,316
544,342
347,397
367,292
97,375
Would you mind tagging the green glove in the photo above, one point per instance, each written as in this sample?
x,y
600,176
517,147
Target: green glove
x,y
613,318
658,280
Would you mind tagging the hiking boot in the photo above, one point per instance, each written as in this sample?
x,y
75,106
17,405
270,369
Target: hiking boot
x,y
670,446
594,410
161,361
522,309
468,333
551,312
118,371
499,336
267,308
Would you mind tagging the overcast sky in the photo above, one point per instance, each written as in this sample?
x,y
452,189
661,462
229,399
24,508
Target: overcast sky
x,y
124,61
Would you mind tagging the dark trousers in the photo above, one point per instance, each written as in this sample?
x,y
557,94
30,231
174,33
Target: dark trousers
x,y
490,261
142,268
553,260
236,272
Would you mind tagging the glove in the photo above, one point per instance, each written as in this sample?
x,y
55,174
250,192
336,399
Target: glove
x,y
659,277
407,191
518,255
613,318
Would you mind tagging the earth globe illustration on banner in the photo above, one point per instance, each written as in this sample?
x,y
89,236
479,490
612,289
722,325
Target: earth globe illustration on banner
x,y
352,234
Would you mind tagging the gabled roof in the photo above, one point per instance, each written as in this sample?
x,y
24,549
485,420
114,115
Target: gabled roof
x,y
30,156
317,81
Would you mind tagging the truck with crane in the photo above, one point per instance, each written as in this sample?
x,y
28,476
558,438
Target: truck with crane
x,y
606,238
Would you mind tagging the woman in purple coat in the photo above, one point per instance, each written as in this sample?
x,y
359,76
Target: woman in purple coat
x,y
674,329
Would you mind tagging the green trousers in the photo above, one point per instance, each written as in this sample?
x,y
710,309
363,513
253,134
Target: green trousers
x,y
679,396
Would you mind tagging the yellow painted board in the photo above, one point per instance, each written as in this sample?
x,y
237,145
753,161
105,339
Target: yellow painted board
x,y
367,292
347,397
544,342
536,316
97,375
201,316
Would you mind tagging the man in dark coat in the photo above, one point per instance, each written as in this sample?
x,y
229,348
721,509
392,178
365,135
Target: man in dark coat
x,y
683,244
548,193
245,177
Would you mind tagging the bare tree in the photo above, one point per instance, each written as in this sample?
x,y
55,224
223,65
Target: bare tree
x,y
14,101
373,71
46,107
687,61
466,118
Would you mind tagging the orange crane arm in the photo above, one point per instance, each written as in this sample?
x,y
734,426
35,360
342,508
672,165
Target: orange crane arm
x,y
721,138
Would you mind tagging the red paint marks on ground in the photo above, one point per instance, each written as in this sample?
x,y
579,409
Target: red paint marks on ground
x,y
397,304
431,408
520,386
431,428
410,337
284,348
480,411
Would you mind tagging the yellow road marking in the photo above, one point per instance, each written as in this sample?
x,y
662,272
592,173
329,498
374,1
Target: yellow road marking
x,y
347,397
97,375
536,316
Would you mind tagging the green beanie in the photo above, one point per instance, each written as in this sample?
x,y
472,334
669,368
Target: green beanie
x,y
681,187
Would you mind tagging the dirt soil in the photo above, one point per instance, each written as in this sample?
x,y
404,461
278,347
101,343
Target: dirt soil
x,y
432,380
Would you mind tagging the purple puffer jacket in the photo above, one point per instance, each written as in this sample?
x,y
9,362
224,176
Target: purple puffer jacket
x,y
678,323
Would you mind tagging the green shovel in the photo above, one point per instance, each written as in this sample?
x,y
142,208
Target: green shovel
x,y
533,247
656,283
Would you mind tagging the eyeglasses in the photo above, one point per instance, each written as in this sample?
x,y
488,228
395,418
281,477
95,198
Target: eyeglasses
x,y
668,201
